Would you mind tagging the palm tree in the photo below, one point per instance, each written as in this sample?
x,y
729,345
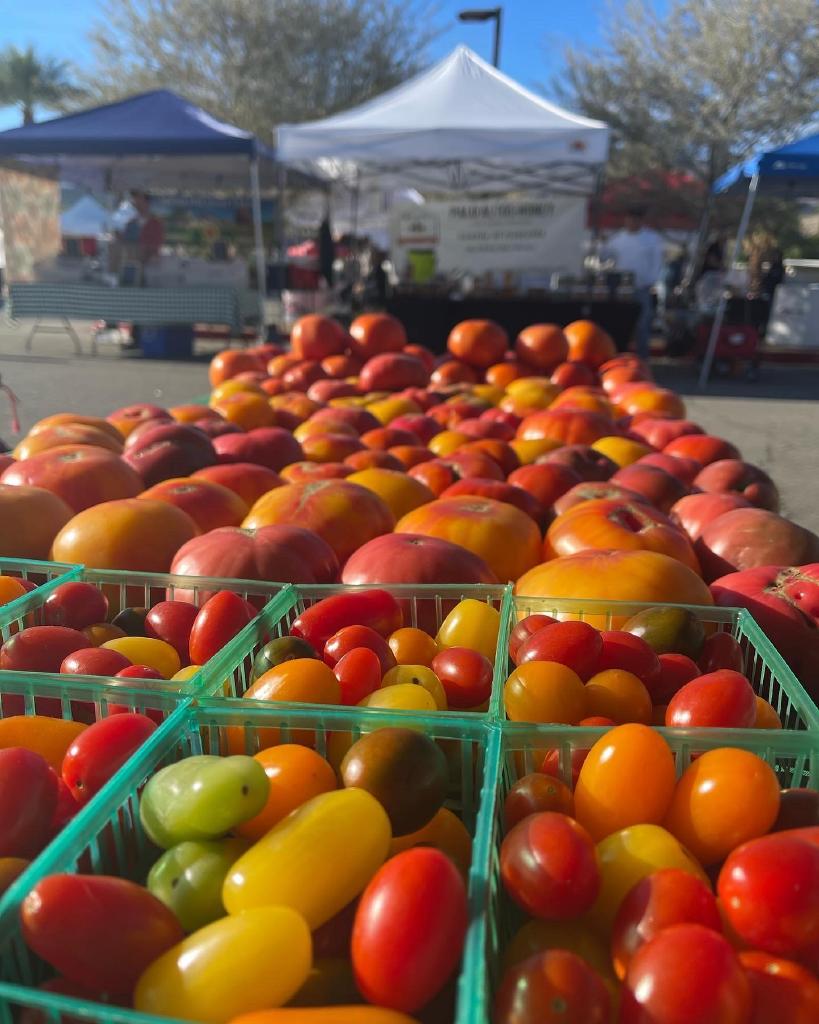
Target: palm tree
x,y
27,81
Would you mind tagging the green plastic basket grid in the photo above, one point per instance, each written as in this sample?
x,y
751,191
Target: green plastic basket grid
x,y
107,838
136,589
764,666
46,575
229,674
794,756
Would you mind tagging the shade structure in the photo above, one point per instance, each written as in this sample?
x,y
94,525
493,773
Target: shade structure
x,y
85,219
461,125
789,170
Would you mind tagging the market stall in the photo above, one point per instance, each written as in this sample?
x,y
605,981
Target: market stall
x,y
463,128
790,171
155,141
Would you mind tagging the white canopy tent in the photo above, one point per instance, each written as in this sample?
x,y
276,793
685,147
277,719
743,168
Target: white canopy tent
x,y
460,126
87,218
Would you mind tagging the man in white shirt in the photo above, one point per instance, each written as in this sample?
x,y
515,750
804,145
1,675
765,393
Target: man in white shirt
x,y
639,251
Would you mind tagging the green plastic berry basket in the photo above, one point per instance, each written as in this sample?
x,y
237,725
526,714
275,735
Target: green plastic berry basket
x,y
107,837
767,670
46,576
793,755
230,673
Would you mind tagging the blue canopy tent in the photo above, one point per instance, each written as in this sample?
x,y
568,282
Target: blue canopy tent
x,y
789,170
156,141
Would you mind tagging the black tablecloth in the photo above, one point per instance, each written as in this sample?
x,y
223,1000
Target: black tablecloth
x,y
429,318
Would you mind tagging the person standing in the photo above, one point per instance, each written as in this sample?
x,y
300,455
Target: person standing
x,y
638,250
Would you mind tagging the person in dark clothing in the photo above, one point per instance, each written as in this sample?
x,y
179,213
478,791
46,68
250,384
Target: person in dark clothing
x,y
326,251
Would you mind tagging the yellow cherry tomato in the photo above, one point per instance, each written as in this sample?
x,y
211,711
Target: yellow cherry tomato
x,y
627,779
401,697
188,672
416,675
445,832
626,857
471,623
352,1014
293,865
412,646
252,961
145,650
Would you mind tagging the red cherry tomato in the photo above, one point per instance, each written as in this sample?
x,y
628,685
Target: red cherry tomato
x,y
549,866
721,699
720,650
782,991
686,973
172,621
663,898
675,671
465,675
524,629
28,800
40,648
534,793
769,890
100,750
551,762
574,644
625,650
94,661
350,637
554,987
97,931
358,673
75,605
409,929
138,672
375,608
65,809
217,622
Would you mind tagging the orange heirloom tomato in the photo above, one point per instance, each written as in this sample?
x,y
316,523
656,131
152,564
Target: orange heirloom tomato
x,y
401,493
296,774
612,524
30,518
724,798
292,865
545,691
628,778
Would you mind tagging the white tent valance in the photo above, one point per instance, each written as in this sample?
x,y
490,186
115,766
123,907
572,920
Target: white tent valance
x,y
462,126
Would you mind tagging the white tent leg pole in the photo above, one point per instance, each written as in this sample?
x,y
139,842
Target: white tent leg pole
x,y
258,243
707,362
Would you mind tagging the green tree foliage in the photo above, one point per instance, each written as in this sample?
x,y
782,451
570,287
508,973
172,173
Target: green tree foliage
x,y
29,81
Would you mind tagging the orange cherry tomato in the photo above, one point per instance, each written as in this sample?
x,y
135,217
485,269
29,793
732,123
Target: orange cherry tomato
x,y
545,691
296,774
620,696
766,715
724,798
627,779
413,646
10,589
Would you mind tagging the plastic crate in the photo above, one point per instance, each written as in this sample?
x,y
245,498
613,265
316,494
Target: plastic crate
x,y
135,589
795,757
46,575
108,838
229,674
770,676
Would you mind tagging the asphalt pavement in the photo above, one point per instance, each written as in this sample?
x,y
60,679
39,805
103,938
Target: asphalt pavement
x,y
773,420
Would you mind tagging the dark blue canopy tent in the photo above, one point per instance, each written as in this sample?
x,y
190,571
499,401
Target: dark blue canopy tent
x,y
789,170
156,141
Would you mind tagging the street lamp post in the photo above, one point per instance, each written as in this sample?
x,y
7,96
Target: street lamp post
x,y
487,14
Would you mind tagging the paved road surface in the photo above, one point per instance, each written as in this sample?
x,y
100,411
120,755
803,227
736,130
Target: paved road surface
x,y
775,421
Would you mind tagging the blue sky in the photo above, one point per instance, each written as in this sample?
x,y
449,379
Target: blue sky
x,y
534,33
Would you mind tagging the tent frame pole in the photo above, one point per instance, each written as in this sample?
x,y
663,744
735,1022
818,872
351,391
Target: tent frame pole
x,y
258,244
708,361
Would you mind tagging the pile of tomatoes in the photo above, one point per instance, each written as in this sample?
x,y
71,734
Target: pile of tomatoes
x,y
676,900
242,911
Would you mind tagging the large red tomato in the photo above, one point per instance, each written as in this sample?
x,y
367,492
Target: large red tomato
x,y
479,343
272,447
374,333
316,337
693,512
130,533
81,475
392,371
547,482
748,538
589,343
703,447
210,505
170,449
612,524
661,432
542,346
499,491
733,476
247,480
30,518
593,490
661,488
230,362
567,425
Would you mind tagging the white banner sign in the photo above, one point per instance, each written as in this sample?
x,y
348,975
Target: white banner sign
x,y
539,236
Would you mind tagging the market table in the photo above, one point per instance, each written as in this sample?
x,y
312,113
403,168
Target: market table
x,y
429,318
144,306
